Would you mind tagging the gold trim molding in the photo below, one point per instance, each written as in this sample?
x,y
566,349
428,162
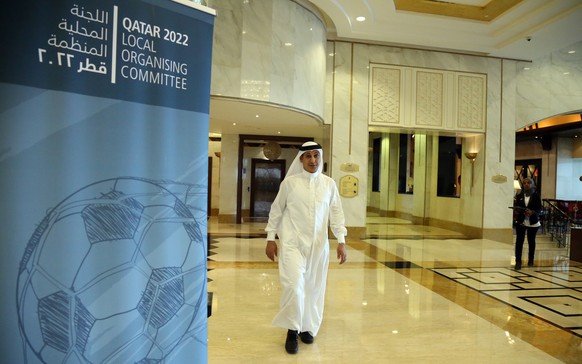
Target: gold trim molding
x,y
487,13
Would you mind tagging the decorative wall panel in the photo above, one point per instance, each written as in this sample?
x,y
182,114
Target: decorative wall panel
x,y
385,104
412,97
429,99
471,102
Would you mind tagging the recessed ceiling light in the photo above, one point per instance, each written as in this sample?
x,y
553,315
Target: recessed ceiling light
x,y
571,52
288,44
526,68
257,115
566,73
361,18
234,124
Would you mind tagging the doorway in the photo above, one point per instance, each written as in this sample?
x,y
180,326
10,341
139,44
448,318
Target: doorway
x,y
266,177
255,141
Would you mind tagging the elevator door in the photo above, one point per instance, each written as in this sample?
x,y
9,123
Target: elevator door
x,y
266,176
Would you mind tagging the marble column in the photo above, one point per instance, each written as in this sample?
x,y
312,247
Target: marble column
x,y
270,53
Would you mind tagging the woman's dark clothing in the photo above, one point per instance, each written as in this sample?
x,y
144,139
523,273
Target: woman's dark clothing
x,y
524,226
521,232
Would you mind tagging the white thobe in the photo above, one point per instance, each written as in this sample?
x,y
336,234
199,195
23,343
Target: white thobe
x,y
306,202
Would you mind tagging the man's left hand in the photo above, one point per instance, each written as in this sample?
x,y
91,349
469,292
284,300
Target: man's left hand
x,y
342,254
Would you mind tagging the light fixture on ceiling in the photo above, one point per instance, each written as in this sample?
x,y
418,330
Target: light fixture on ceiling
x,y
361,18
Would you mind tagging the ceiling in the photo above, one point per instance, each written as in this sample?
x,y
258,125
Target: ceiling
x,y
233,116
450,25
563,126
513,29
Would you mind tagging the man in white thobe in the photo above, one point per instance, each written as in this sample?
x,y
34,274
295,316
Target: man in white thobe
x,y
299,216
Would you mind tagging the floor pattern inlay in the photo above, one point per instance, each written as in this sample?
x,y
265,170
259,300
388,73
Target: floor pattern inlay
x,y
554,295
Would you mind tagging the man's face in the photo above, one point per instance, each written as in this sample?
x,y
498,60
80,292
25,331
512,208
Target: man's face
x,y
310,160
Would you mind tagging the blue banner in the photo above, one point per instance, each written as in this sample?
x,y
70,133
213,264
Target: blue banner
x,y
103,181
128,50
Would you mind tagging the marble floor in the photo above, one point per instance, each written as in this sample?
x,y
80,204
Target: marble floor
x,y
408,294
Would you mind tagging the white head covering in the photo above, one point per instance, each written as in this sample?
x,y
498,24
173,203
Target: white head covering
x,y
297,165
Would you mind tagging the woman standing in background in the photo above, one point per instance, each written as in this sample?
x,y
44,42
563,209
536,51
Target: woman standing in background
x,y
529,205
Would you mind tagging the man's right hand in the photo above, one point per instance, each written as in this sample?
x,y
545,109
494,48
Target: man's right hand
x,y
271,250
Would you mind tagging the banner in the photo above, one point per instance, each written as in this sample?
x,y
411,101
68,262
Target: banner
x,y
103,181
125,50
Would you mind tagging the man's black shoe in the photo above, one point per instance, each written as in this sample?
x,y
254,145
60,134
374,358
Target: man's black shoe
x,y
291,344
517,266
306,337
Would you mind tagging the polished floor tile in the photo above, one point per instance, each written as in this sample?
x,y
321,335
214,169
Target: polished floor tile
x,y
405,296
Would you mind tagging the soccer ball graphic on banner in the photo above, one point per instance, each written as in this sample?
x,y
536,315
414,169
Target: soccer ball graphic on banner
x,y
115,274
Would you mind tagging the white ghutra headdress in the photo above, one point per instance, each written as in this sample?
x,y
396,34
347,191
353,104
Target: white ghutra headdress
x,y
297,165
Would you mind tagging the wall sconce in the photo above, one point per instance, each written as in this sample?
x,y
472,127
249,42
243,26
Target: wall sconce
x,y
471,157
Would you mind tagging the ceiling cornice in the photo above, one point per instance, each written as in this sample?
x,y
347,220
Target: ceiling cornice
x,y
486,13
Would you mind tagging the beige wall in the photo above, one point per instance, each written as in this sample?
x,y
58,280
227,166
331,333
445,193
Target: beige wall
x,y
485,206
569,169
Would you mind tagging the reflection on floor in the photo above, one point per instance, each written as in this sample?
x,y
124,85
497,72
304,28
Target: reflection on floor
x,y
554,295
408,294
